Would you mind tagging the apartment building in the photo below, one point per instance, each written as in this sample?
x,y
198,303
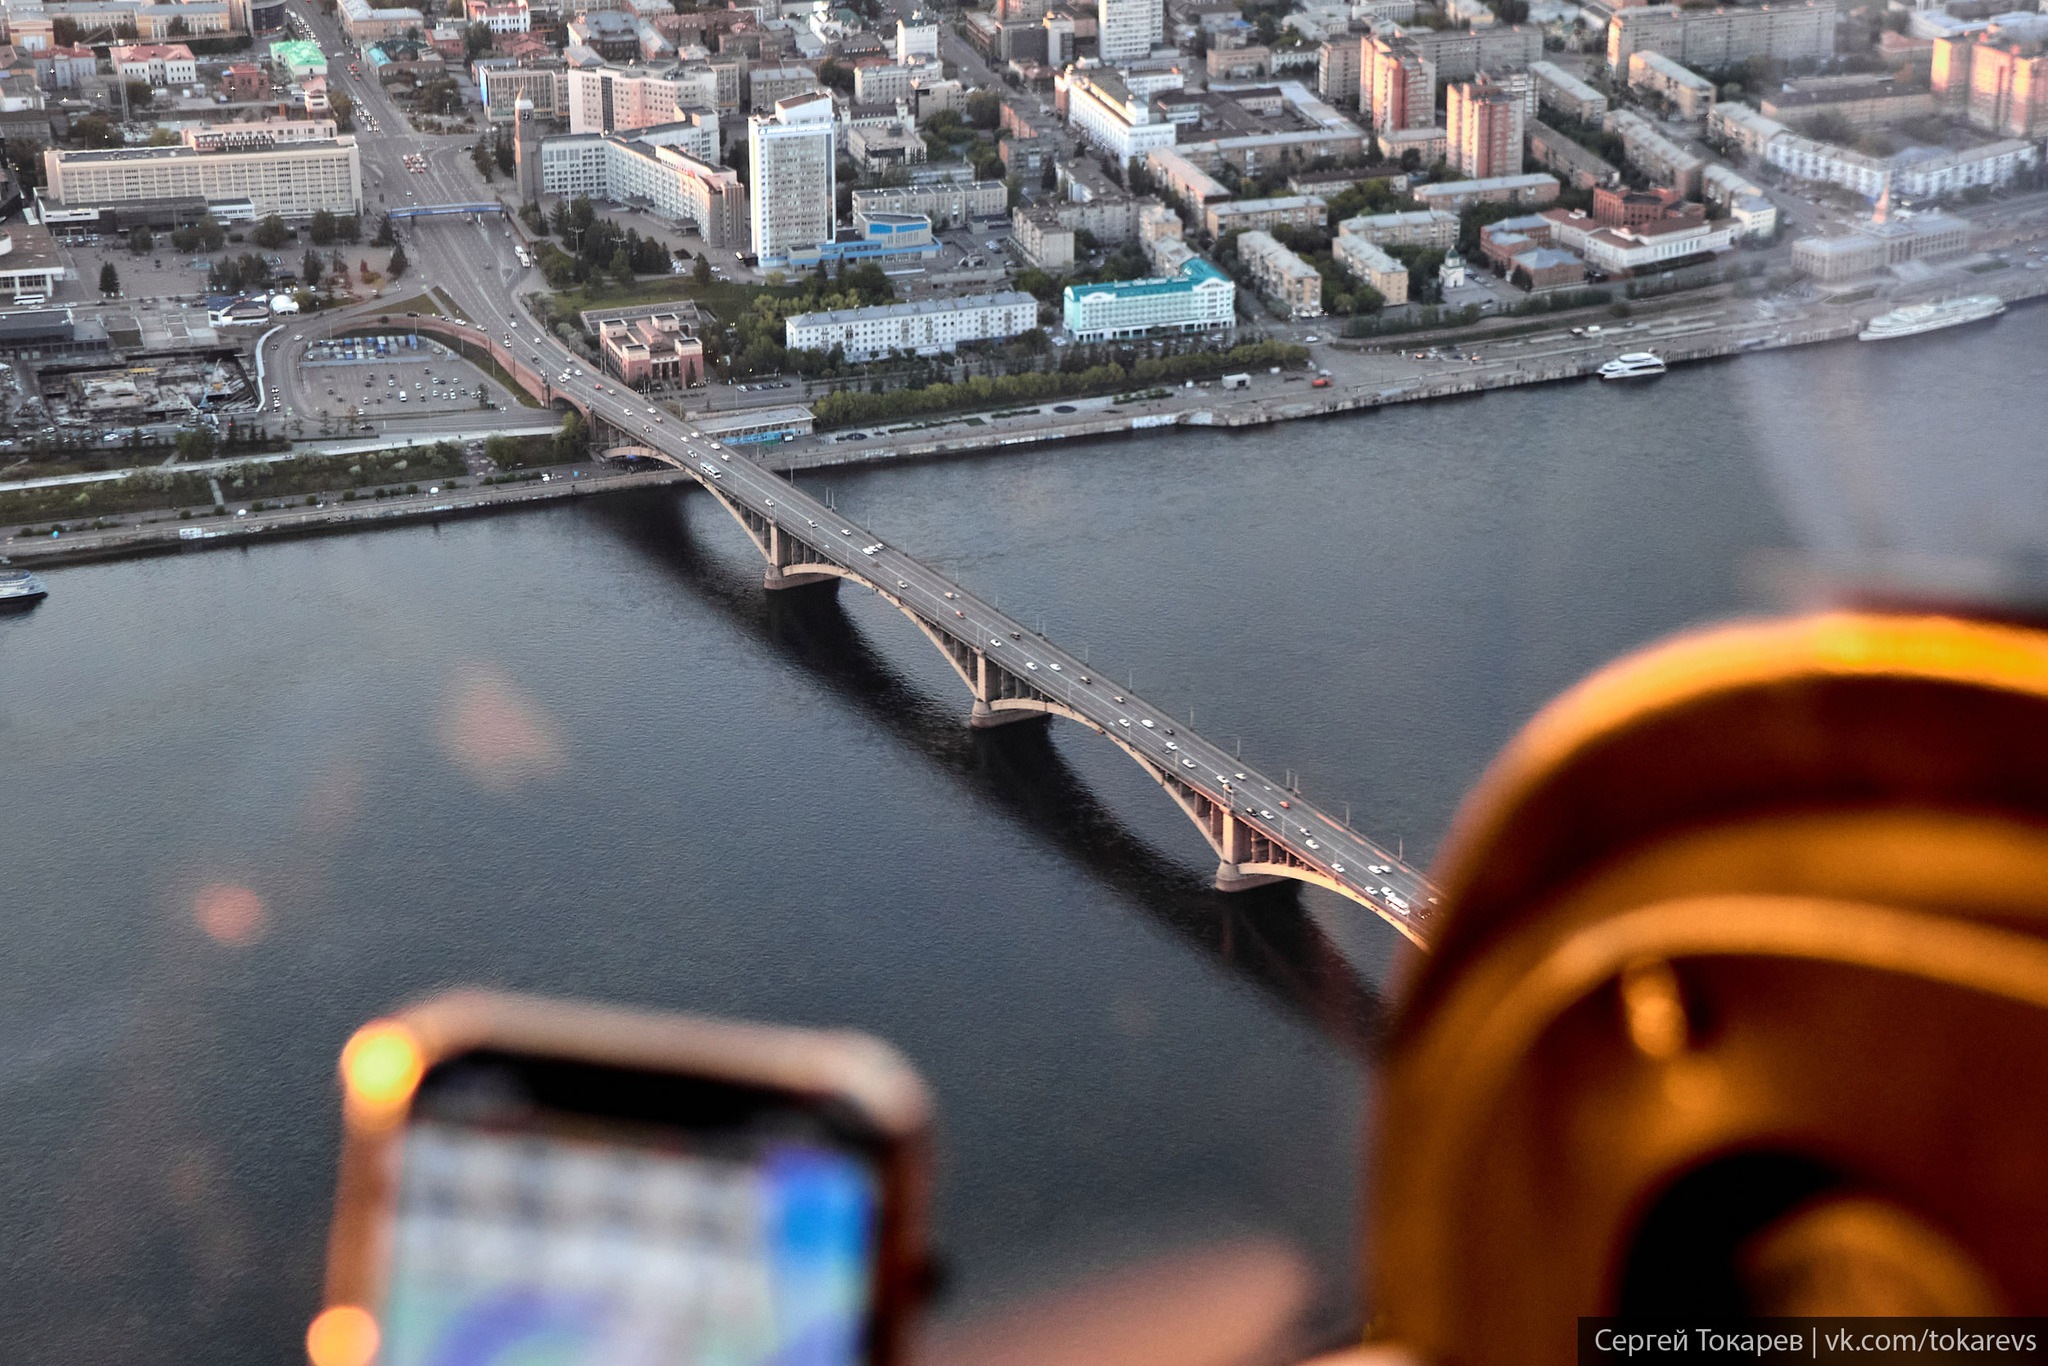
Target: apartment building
x,y
1338,69
1458,53
1690,94
1714,38
1483,130
1397,84
926,327
1282,276
1246,215
794,177
1558,89
1657,156
1366,262
891,82
1742,127
1414,228
2001,87
1532,187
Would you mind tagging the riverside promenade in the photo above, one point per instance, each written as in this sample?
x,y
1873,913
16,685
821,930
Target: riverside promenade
x,y
1363,377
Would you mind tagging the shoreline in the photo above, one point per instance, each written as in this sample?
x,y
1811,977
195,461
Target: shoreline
x,y
1262,410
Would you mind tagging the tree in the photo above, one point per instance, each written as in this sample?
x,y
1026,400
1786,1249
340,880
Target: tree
x,y
398,262
343,109
140,95
178,28
477,40
622,267
138,241
984,109
196,444
162,137
322,227
501,451
833,76
480,157
64,32
386,236
96,130
571,440
270,233
110,279
701,272
311,269
505,147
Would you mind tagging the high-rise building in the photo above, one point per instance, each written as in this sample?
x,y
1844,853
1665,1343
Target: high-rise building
x,y
1337,69
793,193
526,150
1483,129
2001,87
1397,84
1127,30
917,38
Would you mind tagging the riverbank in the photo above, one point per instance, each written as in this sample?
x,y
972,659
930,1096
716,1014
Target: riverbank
x,y
1680,337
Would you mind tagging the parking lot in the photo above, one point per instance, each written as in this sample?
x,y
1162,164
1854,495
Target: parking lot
x,y
161,273
408,383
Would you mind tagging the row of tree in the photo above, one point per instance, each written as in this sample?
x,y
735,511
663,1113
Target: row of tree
x,y
850,407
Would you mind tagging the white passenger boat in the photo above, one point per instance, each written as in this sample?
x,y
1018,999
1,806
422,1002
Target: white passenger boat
x,y
1634,365
20,590
1914,319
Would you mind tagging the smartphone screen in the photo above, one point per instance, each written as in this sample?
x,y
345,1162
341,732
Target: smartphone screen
x,y
563,1212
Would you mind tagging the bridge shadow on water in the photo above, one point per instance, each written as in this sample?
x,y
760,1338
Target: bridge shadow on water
x,y
1263,936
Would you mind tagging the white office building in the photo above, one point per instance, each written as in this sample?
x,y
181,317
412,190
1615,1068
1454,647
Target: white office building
x,y
294,179
927,327
1105,112
655,167
1200,298
794,189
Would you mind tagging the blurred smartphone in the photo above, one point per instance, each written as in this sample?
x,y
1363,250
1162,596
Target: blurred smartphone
x,y
540,1182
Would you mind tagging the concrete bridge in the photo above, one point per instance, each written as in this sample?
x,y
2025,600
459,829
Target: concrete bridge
x,y
1261,831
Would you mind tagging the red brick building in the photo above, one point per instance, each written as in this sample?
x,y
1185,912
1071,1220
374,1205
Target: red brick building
x,y
1625,208
651,350
244,82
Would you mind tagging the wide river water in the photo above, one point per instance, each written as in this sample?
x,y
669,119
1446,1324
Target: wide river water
x,y
256,797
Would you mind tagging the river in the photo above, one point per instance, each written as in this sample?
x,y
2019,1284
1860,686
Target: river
x,y
258,796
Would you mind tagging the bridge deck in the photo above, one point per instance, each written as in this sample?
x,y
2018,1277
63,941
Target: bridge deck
x,y
1288,835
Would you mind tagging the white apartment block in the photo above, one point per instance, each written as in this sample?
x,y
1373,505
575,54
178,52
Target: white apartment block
x,y
646,168
1127,30
794,188
1743,127
292,179
1690,93
616,99
1104,112
927,327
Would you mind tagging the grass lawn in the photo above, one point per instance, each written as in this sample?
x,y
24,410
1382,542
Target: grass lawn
x,y
418,303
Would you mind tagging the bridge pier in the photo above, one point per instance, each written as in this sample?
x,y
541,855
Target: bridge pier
x,y
985,717
1229,878
780,573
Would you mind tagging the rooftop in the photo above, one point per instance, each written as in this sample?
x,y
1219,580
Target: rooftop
x,y
920,308
1195,273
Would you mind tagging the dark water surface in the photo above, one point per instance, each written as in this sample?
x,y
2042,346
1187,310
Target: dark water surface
x,y
578,751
